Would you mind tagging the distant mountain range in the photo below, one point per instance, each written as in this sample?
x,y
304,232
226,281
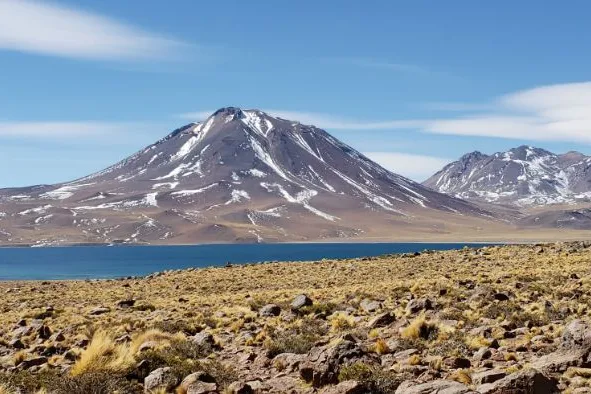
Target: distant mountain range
x,y
238,176
524,176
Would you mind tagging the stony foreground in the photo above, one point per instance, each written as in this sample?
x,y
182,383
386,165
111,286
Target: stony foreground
x,y
509,319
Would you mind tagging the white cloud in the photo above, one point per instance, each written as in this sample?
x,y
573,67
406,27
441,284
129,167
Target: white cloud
x,y
548,113
456,106
57,130
50,29
416,167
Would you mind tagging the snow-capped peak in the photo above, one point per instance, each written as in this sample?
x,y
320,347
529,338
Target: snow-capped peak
x,y
524,175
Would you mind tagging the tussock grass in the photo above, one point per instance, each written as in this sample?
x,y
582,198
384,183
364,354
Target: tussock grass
x,y
420,328
104,354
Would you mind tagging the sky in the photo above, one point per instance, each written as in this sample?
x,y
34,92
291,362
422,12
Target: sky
x,y
413,85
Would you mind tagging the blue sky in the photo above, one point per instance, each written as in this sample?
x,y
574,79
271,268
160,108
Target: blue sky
x,y
412,84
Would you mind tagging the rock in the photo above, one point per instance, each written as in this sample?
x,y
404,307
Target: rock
x,y
161,378
203,338
501,296
381,320
347,387
574,350
70,355
529,381
270,310
576,335
434,387
125,338
403,355
490,376
370,306
300,302
33,362
16,343
322,364
289,361
22,331
99,311
457,362
43,332
58,337
125,303
420,304
240,388
256,385
148,345
282,384
202,388
482,354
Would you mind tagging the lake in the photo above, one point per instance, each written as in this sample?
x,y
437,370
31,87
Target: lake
x,y
80,262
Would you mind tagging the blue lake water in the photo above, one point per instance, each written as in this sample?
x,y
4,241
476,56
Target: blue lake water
x,y
108,262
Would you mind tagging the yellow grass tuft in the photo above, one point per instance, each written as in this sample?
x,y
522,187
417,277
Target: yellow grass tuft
x,y
462,376
103,354
381,347
4,389
19,357
341,322
419,328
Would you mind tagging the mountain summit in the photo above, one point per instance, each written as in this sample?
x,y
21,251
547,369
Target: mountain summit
x,y
239,175
524,176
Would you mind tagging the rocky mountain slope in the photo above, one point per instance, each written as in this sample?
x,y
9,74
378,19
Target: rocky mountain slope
x,y
524,176
240,175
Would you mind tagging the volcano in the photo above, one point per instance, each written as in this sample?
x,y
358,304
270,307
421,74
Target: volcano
x,y
238,176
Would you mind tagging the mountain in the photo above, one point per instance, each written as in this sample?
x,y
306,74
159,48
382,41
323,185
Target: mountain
x,y
240,175
523,176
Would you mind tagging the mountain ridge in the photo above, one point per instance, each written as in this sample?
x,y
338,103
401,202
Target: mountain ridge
x,y
239,175
524,176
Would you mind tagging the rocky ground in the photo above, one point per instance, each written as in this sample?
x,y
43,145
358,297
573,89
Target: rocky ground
x,y
510,319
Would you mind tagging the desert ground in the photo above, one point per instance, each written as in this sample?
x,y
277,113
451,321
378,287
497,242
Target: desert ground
x,y
497,319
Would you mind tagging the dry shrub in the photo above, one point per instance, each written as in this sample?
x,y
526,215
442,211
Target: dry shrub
x,y
420,328
104,354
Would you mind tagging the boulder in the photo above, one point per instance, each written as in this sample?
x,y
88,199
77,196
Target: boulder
x,y
489,376
270,310
528,381
33,362
381,320
300,302
203,338
420,304
125,303
347,387
574,350
99,311
370,306
322,364
161,378
16,343
434,387
240,388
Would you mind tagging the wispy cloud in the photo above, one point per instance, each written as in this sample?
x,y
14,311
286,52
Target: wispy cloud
x,y
457,106
323,120
51,29
548,113
61,130
381,64
416,167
